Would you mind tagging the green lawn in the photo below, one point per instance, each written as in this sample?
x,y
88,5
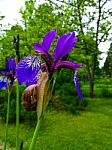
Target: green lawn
x,y
87,130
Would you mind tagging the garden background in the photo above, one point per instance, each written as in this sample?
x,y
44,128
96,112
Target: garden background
x,y
68,123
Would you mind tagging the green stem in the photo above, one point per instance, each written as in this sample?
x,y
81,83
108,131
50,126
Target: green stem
x,y
40,119
17,116
52,88
7,119
35,134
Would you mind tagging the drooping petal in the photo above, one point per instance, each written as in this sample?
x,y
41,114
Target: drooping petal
x,y
38,47
5,73
33,78
76,81
9,75
11,65
4,82
47,41
27,70
64,45
67,64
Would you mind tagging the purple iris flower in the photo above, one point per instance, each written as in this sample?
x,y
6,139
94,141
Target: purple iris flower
x,y
27,73
54,62
8,76
64,45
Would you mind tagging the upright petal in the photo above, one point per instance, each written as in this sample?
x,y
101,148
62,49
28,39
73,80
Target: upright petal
x,y
76,81
64,45
11,65
27,70
67,64
38,47
47,41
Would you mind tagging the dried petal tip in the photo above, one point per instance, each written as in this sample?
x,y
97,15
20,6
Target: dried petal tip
x,y
34,95
29,101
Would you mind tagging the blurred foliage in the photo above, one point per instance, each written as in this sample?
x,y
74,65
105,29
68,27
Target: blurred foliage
x,y
24,115
108,63
66,92
64,97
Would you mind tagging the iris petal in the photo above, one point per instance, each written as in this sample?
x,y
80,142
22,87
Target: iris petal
x,y
47,41
3,84
11,65
67,64
5,73
27,70
38,47
45,55
32,79
4,81
64,45
76,81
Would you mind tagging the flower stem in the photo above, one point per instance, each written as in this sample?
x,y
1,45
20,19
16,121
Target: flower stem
x,y
52,88
40,118
17,116
7,119
35,134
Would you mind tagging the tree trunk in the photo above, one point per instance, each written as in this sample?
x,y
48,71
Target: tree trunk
x,y
91,80
91,89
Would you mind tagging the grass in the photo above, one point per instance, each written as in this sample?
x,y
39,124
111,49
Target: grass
x,y
87,130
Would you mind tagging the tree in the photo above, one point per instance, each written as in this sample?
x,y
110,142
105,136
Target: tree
x,y
37,20
108,62
90,19
7,48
